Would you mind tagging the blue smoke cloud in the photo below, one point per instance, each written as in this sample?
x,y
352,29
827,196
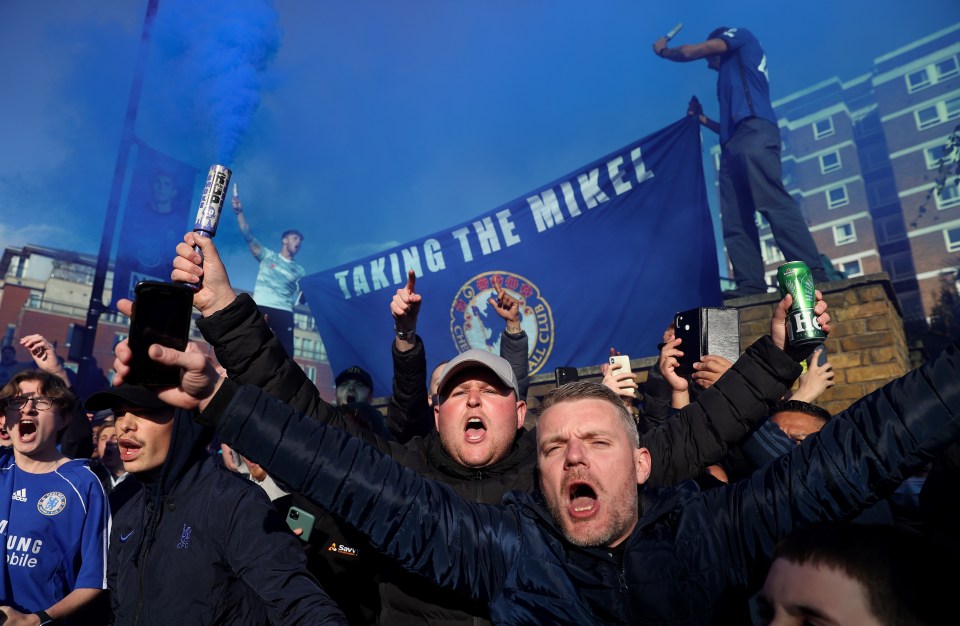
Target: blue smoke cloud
x,y
213,56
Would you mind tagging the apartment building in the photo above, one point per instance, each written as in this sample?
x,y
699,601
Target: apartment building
x,y
862,157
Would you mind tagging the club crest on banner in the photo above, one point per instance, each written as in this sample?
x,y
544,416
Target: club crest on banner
x,y
474,324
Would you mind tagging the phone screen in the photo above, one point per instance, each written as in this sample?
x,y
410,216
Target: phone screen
x,y
161,314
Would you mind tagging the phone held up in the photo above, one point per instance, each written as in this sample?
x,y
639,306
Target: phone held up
x,y
161,314
707,330
566,375
297,518
624,362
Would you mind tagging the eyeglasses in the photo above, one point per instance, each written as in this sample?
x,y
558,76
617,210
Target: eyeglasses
x,y
39,402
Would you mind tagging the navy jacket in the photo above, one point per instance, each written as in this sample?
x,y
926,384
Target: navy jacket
x,y
680,449
690,556
201,545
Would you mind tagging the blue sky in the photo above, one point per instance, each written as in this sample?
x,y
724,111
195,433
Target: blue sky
x,y
382,121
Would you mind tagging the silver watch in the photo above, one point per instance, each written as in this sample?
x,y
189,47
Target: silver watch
x,y
405,335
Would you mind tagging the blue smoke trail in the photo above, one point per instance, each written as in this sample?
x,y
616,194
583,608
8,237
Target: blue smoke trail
x,y
219,52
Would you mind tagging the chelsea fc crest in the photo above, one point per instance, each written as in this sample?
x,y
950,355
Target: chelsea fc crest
x,y
51,503
474,323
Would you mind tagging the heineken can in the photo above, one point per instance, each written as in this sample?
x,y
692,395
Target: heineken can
x,y
802,325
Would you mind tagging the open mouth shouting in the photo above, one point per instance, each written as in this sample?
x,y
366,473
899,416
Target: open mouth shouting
x,y
582,500
26,430
475,431
129,449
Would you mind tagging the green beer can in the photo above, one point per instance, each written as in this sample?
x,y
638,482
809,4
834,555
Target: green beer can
x,y
802,326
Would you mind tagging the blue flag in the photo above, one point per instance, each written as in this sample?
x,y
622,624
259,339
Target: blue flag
x,y
157,215
602,257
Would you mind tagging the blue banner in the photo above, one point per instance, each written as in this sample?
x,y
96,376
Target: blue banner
x,y
600,258
156,216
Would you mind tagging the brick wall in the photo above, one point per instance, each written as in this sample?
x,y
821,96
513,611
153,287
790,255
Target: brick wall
x,y
867,347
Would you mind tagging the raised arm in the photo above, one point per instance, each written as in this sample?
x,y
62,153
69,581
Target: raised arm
x,y
45,356
514,345
255,246
689,52
860,456
457,544
408,414
700,434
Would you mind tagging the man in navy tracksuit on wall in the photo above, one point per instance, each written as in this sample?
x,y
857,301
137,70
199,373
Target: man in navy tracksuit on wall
x,y
750,170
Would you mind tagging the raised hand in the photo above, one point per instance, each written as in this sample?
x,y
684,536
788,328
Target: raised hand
x,y
506,307
623,383
813,382
778,326
215,292
43,353
405,307
709,370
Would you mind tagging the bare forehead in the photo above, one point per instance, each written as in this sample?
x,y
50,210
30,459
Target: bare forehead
x,y
578,418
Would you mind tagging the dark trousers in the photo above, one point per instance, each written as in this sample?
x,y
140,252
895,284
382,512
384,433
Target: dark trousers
x,y
751,180
281,323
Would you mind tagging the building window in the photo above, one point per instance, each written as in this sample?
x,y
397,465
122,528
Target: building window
x,y
823,128
852,268
947,68
837,197
938,113
932,74
938,156
927,117
844,234
771,253
949,196
952,237
830,162
760,221
311,372
918,80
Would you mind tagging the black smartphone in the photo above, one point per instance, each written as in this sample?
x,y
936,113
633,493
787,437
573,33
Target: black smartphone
x,y
686,326
566,375
161,314
298,519
707,330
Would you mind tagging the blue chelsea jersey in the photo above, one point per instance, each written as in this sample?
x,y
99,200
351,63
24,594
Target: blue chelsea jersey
x,y
55,528
743,86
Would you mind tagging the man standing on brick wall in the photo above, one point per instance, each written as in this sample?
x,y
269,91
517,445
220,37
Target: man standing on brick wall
x,y
750,170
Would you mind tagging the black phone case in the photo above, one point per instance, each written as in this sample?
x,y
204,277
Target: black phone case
x,y
161,314
707,330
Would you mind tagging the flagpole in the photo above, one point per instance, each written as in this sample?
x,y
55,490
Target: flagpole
x,y
88,364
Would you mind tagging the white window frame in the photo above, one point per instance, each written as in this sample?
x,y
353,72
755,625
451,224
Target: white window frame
x,y
913,88
933,160
852,274
953,245
819,133
950,202
825,169
943,113
841,239
932,74
836,204
948,74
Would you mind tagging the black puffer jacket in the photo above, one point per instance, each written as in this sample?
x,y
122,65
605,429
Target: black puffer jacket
x,y
697,437
201,545
691,558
